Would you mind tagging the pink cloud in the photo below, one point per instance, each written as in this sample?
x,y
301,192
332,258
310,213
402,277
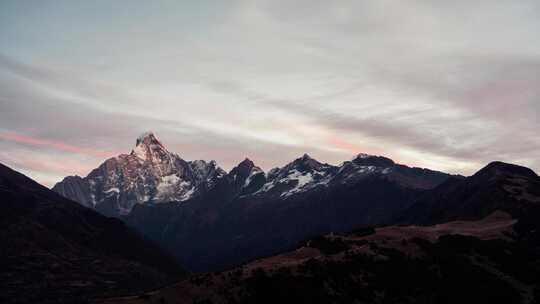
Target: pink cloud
x,y
346,146
56,145
52,166
46,169
504,98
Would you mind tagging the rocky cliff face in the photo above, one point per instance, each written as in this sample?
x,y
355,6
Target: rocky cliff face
x,y
150,174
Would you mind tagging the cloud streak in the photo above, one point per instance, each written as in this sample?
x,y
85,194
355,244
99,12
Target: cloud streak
x,y
54,145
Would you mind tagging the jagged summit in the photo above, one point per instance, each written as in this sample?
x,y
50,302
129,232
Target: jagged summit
x,y
245,168
247,177
148,175
305,163
147,138
148,147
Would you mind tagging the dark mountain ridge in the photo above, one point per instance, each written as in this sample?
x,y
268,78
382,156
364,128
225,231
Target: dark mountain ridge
x,y
498,186
55,250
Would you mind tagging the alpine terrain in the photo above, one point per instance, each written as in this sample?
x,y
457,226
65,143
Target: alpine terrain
x,y
228,218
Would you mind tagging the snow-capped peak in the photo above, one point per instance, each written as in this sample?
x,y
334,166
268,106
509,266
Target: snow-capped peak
x,y
147,138
148,147
305,163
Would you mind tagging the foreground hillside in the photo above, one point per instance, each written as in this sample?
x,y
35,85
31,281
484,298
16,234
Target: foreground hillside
x,y
456,262
53,250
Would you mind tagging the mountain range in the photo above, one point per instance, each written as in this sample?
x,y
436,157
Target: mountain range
x,y
150,175
229,218
366,231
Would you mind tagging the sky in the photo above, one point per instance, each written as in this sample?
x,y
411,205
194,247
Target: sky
x,y
447,85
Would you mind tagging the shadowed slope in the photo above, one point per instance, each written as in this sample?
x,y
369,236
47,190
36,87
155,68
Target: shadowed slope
x,y
498,186
54,249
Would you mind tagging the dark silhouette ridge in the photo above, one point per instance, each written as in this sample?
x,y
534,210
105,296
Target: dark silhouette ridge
x,y
54,249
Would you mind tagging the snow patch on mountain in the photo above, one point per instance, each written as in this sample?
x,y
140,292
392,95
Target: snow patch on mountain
x,y
254,171
167,185
187,195
366,169
114,189
302,179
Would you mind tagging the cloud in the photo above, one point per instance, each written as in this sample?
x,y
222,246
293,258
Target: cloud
x,y
447,85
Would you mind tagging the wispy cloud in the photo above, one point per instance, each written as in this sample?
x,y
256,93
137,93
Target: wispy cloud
x,y
54,145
